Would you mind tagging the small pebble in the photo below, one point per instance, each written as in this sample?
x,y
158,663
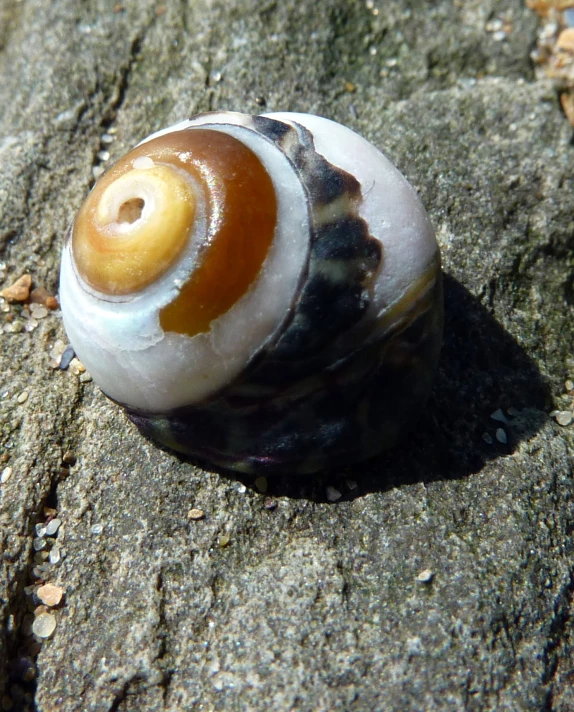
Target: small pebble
x,y
66,357
50,594
501,436
223,541
499,415
50,512
270,503
494,25
97,529
19,291
39,543
487,437
40,530
76,367
565,40
44,625
42,296
261,484
30,673
333,494
564,417
106,138
85,377
499,36
6,475
38,311
16,327
104,156
69,458
52,526
196,514
23,397
56,353
41,556
425,576
351,484
569,385
54,557
241,488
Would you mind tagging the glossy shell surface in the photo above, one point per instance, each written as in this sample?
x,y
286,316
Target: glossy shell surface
x,y
263,293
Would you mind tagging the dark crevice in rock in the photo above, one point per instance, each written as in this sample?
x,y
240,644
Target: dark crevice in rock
x,y
121,88
162,635
558,630
20,644
121,696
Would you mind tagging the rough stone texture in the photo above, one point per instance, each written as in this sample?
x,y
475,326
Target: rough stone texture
x,y
312,605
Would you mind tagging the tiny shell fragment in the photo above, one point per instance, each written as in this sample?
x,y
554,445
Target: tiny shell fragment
x,y
49,594
19,291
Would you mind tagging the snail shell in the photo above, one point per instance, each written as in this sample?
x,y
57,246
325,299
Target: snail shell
x,y
262,292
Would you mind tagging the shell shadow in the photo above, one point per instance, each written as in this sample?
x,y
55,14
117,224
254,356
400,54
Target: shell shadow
x,y
482,370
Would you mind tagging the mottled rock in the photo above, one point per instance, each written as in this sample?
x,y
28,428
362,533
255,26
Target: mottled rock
x,y
314,604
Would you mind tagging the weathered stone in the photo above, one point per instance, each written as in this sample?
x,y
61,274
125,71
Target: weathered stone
x,y
313,605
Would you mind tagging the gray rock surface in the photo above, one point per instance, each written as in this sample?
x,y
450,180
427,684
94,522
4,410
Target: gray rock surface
x,y
311,604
